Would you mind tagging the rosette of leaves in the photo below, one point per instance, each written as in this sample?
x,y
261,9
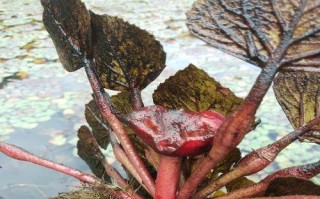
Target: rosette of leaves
x,y
123,55
261,31
193,89
298,93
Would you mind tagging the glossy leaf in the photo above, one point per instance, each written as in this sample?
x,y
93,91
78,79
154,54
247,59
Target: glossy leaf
x,y
68,23
174,132
298,93
90,152
257,30
193,89
292,186
126,56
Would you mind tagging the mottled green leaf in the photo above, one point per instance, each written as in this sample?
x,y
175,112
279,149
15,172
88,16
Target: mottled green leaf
x,y
193,89
126,56
68,23
100,129
298,93
122,102
239,183
89,151
292,186
257,30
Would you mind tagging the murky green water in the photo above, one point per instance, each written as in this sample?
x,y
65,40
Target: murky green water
x,y
42,111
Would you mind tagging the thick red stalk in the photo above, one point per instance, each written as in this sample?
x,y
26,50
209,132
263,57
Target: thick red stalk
x,y
231,132
305,172
168,177
23,155
117,127
137,102
256,160
234,128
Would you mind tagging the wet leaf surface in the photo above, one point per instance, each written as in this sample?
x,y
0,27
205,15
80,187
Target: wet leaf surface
x,y
252,30
90,152
68,23
292,186
126,56
298,93
174,132
193,89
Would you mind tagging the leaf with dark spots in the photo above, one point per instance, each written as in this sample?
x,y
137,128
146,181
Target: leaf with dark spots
x,y
259,30
89,151
174,132
286,186
100,129
68,23
193,89
122,102
298,93
126,56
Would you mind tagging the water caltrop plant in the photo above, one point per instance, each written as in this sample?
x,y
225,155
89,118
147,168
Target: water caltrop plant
x,y
185,146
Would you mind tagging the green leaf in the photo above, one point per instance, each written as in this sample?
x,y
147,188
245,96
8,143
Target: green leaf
x,y
259,30
193,89
286,186
122,102
298,93
68,23
89,151
126,56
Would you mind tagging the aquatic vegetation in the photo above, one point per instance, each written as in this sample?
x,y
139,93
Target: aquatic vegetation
x,y
185,145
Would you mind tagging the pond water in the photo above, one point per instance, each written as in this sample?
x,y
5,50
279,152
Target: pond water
x,y
42,105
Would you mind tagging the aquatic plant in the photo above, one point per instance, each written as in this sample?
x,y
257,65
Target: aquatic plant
x,y
184,146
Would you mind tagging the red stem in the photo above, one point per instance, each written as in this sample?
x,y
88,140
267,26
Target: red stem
x,y
23,155
168,177
137,102
231,131
256,160
305,172
117,127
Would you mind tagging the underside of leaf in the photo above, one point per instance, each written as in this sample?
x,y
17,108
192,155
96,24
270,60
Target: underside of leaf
x,y
253,30
298,93
175,132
